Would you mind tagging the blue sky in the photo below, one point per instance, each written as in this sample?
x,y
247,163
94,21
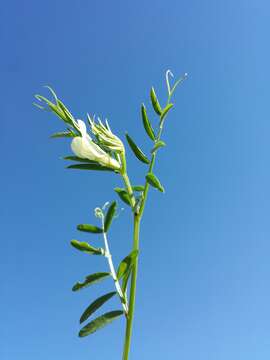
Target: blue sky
x,y
203,287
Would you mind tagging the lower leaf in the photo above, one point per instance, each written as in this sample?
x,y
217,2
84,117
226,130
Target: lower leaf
x,y
100,322
96,305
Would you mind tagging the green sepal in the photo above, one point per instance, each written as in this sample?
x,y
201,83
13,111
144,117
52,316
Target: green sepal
x,y
165,111
90,280
85,247
158,145
96,305
90,166
126,264
155,102
109,216
89,228
136,150
146,123
153,181
100,322
122,193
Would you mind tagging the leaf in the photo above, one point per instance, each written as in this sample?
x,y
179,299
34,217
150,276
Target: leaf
x,y
61,134
59,108
85,247
146,123
89,228
92,166
136,150
65,110
53,108
153,181
158,144
100,322
155,102
90,280
125,280
165,111
69,117
96,305
76,158
138,188
39,106
53,93
126,264
109,216
122,193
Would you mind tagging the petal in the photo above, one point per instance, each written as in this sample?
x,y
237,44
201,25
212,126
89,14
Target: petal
x,y
76,146
82,127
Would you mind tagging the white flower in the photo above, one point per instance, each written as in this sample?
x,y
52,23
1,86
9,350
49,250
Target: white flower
x,y
85,148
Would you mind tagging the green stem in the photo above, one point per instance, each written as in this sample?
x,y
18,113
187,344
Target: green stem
x,y
132,297
127,181
152,163
136,233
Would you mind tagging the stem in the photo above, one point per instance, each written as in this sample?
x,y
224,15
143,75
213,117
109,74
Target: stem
x,y
108,255
136,232
152,163
137,213
129,189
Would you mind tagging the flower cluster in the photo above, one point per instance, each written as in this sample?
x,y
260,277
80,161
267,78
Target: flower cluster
x,y
84,147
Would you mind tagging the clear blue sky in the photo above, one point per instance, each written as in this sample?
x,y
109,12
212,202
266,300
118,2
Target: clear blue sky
x,y
203,290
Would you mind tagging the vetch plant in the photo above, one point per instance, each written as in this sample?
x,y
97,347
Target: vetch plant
x,y
104,151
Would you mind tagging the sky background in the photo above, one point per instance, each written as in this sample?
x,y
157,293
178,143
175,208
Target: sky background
x,y
203,286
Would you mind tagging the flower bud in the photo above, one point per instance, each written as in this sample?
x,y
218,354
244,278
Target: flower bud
x,y
105,136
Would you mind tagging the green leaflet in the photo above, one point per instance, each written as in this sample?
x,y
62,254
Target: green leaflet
x,y
76,158
96,305
55,108
158,144
61,134
126,264
125,279
109,216
146,123
122,193
66,111
155,102
136,150
153,181
58,108
90,280
85,247
165,111
53,93
89,228
100,322
90,166
138,188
